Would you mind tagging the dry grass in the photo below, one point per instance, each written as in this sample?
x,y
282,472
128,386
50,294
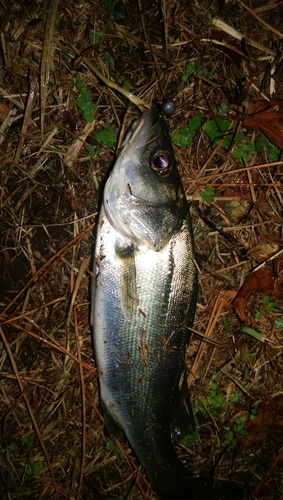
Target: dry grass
x,y
53,443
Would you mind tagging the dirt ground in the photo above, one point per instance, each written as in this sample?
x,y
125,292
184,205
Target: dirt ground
x,y
72,76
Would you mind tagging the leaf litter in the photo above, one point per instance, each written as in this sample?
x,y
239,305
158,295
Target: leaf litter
x,y
57,143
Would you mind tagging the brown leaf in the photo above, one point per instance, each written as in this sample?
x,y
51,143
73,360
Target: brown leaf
x,y
64,78
83,316
267,117
4,110
241,189
261,281
263,251
267,421
226,301
74,204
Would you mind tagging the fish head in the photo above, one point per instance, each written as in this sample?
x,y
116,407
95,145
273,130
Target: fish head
x,y
144,199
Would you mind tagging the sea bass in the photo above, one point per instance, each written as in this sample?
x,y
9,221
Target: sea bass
x,y
144,294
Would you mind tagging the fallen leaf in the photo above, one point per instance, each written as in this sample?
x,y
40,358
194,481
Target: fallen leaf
x,y
267,117
261,281
226,301
241,187
266,423
83,316
4,110
74,204
263,251
64,78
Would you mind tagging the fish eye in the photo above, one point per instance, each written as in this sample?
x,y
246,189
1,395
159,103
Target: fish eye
x,y
162,162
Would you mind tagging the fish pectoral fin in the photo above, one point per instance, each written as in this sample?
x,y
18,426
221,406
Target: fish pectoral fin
x,y
112,426
126,267
183,420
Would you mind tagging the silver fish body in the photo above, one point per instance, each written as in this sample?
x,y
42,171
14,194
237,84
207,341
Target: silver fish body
x,y
143,303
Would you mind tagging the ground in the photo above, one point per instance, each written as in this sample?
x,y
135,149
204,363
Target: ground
x,y
73,75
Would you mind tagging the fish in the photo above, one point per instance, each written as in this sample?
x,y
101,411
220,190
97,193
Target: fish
x,y
144,294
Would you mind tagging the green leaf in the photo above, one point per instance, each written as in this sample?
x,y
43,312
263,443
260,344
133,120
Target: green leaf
x,y
195,123
122,81
263,144
279,323
239,154
239,424
34,468
79,82
95,38
107,138
266,299
113,14
229,437
28,440
190,69
68,379
110,445
89,112
217,130
108,59
49,166
189,438
92,150
223,108
84,101
208,194
242,150
253,333
235,208
183,137
236,397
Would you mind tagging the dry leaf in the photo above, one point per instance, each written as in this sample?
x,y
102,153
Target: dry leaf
x,y
83,316
64,78
226,301
4,110
267,422
267,117
74,204
263,251
261,281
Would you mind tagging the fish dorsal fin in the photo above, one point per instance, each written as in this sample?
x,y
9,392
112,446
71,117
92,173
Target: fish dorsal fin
x,y
183,420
